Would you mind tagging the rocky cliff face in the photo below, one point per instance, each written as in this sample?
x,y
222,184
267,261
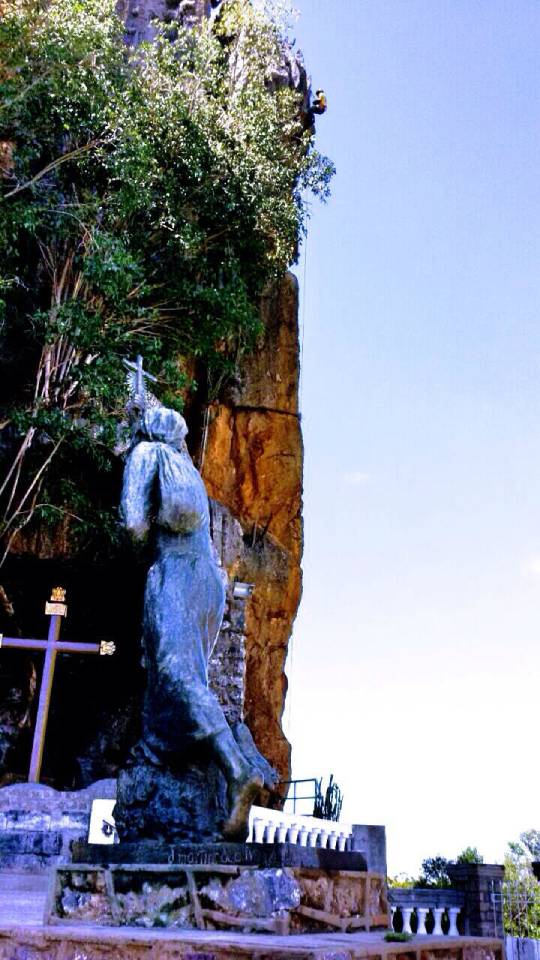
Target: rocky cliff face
x,y
249,448
139,14
251,452
252,463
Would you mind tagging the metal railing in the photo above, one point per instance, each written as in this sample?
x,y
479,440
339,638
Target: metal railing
x,y
295,798
516,908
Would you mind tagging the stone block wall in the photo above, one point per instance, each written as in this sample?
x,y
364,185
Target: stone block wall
x,y
227,665
39,824
370,839
483,916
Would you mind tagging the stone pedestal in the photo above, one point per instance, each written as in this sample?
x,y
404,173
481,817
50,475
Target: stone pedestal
x,y
279,900
483,914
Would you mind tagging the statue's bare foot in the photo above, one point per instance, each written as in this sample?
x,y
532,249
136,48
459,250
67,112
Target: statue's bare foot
x,y
242,793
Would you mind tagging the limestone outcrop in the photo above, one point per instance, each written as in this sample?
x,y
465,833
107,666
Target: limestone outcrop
x,y
139,14
251,455
248,445
252,463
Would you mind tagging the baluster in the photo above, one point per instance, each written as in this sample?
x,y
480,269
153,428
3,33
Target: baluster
x,y
332,840
438,915
281,833
452,916
270,832
342,840
258,830
302,836
406,913
293,833
323,839
354,844
312,837
393,911
422,913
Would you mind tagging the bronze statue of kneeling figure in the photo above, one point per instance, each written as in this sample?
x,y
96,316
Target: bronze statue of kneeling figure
x,y
171,788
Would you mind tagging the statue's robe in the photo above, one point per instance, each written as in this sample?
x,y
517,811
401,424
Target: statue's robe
x,y
163,494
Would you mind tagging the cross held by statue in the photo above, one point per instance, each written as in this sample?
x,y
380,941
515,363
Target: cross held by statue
x,y
56,608
139,375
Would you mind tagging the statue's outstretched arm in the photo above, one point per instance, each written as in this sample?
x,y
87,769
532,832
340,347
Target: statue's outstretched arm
x,y
139,477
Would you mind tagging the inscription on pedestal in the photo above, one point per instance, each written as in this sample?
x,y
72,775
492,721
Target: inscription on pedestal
x,y
224,854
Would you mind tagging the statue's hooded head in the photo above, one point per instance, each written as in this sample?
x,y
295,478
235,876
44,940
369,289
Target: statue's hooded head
x,y
163,425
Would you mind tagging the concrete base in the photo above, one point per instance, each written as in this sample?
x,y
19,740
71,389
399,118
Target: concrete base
x,y
38,943
24,937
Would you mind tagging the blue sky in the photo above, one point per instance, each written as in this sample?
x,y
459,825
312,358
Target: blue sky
x,y
415,657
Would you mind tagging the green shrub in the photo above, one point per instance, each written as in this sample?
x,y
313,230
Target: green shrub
x,y
147,198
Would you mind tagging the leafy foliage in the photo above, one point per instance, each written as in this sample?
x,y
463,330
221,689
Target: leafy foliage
x,y
527,848
402,881
470,855
521,906
393,937
147,199
434,872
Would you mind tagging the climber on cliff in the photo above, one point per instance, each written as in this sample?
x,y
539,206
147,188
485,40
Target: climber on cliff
x,y
318,107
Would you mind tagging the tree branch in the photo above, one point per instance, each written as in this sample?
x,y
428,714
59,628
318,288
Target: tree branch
x,y
52,166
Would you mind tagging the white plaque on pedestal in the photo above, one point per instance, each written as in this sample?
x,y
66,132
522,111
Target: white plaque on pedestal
x,y
102,826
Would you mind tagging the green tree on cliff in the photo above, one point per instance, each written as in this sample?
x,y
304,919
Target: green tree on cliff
x,y
147,198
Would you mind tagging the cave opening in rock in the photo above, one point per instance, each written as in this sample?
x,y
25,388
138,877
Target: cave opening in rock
x,y
95,702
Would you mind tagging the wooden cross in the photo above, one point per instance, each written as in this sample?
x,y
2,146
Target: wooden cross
x,y
56,608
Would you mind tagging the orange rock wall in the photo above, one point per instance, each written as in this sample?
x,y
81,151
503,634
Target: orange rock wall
x,y
252,463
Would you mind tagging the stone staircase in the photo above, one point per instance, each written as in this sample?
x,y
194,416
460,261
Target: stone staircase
x,y
22,898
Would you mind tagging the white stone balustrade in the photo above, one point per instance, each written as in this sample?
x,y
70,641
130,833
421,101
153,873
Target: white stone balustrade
x,y
313,836
270,832
275,826
453,914
407,913
437,916
422,913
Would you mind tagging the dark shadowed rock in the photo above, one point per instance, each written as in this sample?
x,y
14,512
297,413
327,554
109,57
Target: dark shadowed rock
x,y
261,893
160,804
